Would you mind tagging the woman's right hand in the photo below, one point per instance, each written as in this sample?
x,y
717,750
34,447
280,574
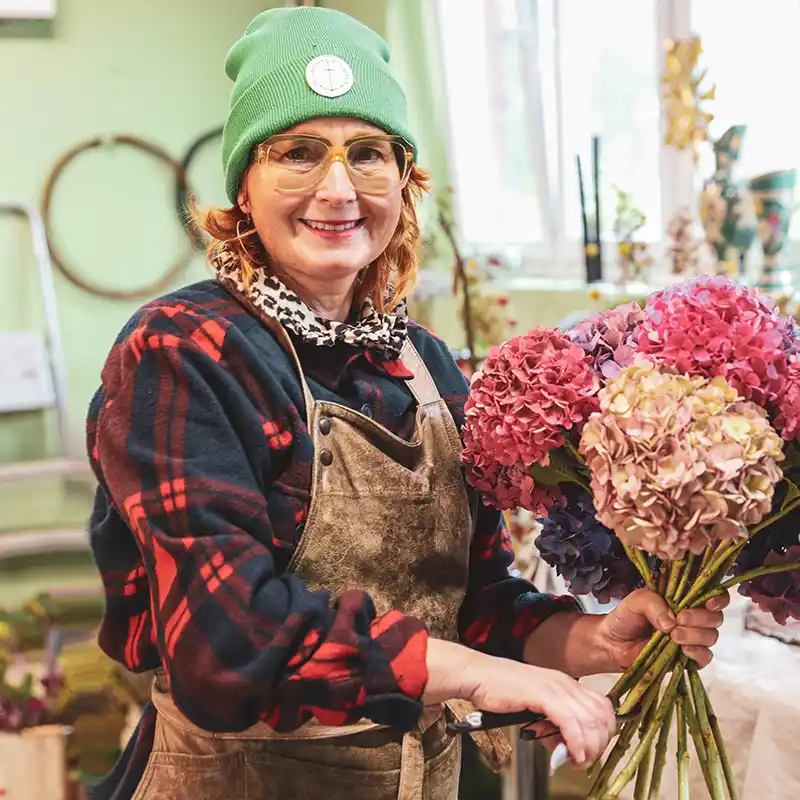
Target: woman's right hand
x,y
584,718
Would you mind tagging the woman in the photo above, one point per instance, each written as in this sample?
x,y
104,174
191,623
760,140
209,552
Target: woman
x,y
282,523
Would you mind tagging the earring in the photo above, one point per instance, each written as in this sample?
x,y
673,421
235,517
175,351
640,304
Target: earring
x,y
250,232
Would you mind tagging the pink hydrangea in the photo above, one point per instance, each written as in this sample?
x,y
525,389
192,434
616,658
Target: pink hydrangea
x,y
787,420
528,392
718,327
678,462
608,337
507,487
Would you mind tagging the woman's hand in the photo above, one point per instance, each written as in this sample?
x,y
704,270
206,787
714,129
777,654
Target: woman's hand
x,y
584,718
626,630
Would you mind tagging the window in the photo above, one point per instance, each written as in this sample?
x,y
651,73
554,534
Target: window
x,y
609,86
529,82
485,50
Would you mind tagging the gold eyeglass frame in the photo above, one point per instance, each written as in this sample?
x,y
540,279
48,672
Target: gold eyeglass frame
x,y
338,153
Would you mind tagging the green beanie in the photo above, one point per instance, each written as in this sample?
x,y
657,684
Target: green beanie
x,y
296,64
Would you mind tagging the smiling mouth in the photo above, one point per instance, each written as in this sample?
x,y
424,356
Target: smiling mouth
x,y
333,227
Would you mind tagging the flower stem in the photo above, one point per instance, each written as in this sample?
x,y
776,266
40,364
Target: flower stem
x,y
713,762
634,672
710,572
747,576
676,569
691,720
640,562
682,753
667,701
661,756
685,697
653,675
597,792
684,582
643,773
720,742
663,570
767,521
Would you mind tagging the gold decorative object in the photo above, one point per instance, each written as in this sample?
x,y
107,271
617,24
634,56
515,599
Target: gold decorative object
x,y
633,256
687,121
683,246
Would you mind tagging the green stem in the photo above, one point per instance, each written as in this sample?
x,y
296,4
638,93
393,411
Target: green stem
x,y
682,754
621,746
694,729
709,573
653,675
660,757
667,701
720,742
715,773
676,569
767,521
687,573
643,773
640,562
747,576
691,720
635,670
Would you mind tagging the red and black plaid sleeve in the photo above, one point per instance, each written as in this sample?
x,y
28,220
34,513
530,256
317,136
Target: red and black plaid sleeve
x,y
186,444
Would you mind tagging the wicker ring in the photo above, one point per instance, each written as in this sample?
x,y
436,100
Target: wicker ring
x,y
143,292
182,191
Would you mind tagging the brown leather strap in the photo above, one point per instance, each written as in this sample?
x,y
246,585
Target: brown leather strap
x,y
421,385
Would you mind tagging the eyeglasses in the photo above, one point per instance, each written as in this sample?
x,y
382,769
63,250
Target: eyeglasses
x,y
300,162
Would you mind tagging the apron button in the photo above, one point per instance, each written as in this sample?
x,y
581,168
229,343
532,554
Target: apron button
x,y
325,426
326,457
366,411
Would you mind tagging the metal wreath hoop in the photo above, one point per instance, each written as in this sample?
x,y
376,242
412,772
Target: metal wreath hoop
x,y
68,271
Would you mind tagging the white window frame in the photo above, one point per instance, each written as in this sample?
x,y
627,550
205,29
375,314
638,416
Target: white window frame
x,y
557,255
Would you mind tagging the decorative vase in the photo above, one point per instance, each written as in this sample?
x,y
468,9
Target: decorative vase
x,y
726,206
33,763
773,194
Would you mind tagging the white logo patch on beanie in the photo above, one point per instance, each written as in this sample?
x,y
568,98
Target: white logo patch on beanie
x,y
329,76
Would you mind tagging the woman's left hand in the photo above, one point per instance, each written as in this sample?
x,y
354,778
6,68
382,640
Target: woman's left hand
x,y
626,630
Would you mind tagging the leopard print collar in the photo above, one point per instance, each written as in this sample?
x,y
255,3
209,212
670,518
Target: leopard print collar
x,y
386,333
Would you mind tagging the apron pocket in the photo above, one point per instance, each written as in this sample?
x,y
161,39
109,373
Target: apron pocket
x,y
277,777
175,776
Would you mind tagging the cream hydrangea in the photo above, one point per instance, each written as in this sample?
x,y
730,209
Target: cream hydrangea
x,y
678,462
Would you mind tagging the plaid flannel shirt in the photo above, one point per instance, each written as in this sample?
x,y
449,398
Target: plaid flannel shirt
x,y
198,439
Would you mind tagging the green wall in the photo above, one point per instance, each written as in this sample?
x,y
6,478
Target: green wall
x,y
153,69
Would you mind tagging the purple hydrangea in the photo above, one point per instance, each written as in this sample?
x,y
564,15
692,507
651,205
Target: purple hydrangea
x,y
779,593
584,552
790,334
608,338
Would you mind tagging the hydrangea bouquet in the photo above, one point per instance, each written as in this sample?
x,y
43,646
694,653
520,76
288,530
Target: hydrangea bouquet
x,y
659,445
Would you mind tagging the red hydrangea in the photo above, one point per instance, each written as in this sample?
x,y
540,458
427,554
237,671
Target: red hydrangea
x,y
787,421
507,487
528,392
718,327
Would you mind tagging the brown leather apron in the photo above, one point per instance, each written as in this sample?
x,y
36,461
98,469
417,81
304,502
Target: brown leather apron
x,y
388,516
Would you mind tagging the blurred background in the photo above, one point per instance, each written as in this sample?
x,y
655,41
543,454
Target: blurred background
x,y
582,152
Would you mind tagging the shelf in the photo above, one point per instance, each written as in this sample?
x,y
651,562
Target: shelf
x,y
33,542
68,468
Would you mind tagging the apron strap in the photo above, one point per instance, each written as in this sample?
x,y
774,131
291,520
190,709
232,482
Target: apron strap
x,y
421,385
285,341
